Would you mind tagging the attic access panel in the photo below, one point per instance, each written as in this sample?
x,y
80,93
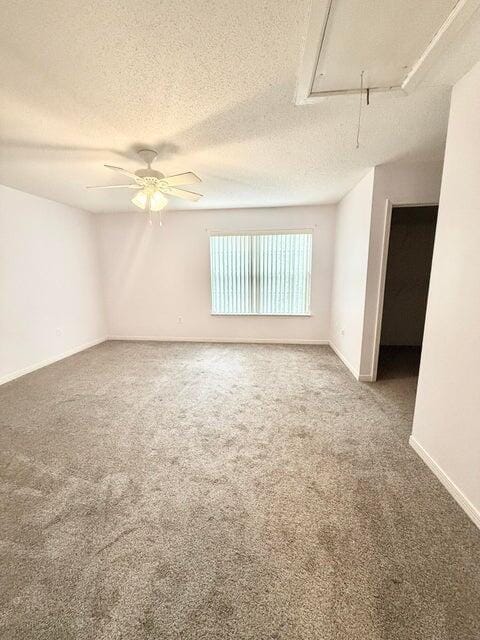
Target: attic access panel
x,y
387,39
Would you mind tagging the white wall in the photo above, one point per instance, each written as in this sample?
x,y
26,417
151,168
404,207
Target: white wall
x,y
350,272
50,296
446,428
155,275
401,184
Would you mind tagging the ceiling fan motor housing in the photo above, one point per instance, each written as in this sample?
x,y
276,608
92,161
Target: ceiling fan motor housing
x,y
149,173
147,155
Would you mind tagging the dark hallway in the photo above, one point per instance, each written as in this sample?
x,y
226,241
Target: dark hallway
x,y
410,251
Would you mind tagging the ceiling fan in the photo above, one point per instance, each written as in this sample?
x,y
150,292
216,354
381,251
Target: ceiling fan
x,y
152,186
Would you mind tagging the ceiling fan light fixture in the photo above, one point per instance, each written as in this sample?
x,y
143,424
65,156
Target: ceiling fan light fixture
x,y
140,199
158,201
153,186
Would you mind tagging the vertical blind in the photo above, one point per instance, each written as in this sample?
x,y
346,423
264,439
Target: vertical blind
x,y
263,274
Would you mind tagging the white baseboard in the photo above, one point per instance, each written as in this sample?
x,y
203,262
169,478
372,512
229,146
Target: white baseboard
x,y
45,363
358,376
365,377
221,340
349,366
472,512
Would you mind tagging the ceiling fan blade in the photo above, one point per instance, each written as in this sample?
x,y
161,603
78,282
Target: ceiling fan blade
x,y
181,178
120,170
181,193
116,186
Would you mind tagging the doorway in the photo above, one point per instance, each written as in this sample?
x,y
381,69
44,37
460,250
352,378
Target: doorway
x,y
407,277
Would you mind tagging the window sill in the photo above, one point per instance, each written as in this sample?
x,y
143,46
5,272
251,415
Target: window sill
x,y
264,315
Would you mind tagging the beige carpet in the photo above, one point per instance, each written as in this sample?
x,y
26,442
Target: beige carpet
x,y
187,491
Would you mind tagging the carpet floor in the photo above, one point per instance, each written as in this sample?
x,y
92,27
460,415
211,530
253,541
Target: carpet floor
x,y
205,491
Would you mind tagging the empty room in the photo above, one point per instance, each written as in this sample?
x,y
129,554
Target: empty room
x,y
240,320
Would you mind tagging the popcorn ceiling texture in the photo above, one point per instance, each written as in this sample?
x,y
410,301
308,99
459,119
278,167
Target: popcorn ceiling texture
x,y
186,491
211,84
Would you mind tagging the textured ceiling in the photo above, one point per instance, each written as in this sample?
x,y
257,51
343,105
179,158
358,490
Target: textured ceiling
x,y
211,84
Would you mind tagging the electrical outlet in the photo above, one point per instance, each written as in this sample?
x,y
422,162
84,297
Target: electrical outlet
x,y
59,331
179,319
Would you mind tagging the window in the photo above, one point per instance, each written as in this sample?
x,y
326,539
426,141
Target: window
x,y
261,273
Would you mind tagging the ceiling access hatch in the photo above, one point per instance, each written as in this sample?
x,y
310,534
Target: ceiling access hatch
x,y
392,42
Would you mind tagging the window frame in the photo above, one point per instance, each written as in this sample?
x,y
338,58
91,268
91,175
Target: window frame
x,y
261,232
